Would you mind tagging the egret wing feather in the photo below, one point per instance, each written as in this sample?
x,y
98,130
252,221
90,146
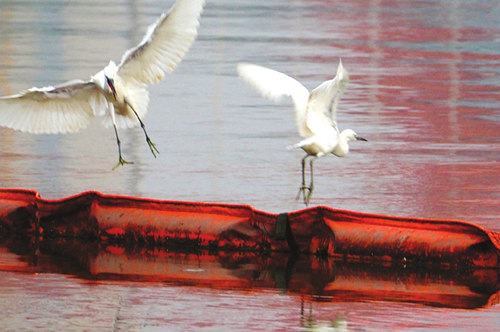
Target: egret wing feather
x,y
65,108
164,44
324,100
275,85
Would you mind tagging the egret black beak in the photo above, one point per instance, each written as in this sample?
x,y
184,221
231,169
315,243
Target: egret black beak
x,y
111,85
358,138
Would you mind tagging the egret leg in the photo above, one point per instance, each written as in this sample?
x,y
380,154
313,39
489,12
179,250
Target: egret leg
x,y
303,186
311,186
121,161
152,146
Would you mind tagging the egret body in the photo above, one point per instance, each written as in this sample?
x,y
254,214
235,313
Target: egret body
x,y
315,113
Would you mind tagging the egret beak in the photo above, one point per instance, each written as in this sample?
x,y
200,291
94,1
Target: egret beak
x,y
111,85
359,138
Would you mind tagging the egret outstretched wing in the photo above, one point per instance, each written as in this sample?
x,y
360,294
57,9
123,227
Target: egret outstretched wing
x,y
275,85
323,102
164,45
65,108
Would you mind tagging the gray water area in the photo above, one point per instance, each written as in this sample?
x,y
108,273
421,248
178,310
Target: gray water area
x,y
424,91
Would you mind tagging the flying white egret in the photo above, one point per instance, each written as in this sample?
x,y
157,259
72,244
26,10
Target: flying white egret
x,y
315,112
118,92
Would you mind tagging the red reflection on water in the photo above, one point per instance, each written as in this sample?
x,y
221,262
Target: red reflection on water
x,y
425,75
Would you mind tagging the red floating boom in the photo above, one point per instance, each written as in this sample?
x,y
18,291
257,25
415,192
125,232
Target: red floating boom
x,y
319,230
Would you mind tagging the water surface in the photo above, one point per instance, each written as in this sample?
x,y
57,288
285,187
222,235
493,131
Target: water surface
x,y
424,92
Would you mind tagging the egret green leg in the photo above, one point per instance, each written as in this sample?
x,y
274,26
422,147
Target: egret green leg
x,y
121,161
151,145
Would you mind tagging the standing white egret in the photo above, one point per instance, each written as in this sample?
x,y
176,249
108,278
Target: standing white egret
x,y
315,112
118,92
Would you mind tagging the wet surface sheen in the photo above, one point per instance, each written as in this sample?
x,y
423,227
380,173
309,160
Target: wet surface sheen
x,y
424,92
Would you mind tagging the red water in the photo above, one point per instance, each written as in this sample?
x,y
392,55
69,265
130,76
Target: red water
x,y
424,92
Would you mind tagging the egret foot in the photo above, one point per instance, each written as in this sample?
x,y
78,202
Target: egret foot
x,y
302,192
122,162
309,194
311,186
152,146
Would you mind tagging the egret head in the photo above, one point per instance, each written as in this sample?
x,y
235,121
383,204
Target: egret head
x,y
109,73
350,135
